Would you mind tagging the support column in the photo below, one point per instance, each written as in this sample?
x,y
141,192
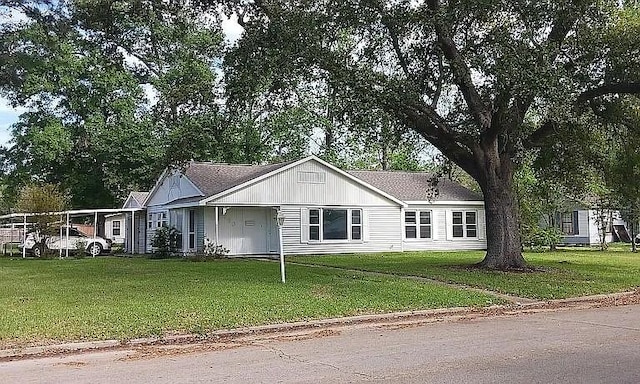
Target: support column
x,y
217,228
24,237
133,232
95,228
60,240
67,236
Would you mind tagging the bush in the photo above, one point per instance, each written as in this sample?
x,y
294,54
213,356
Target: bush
x,y
165,243
81,246
538,237
211,251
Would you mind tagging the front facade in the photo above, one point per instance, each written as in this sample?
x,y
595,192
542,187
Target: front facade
x,y
325,210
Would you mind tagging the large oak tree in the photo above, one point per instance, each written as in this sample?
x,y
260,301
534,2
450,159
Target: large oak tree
x,y
483,81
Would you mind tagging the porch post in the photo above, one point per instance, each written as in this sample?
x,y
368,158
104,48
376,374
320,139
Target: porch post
x,y
60,240
280,221
95,228
217,229
133,232
24,237
67,237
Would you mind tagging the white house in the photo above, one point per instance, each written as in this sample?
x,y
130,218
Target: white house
x,y
325,209
580,224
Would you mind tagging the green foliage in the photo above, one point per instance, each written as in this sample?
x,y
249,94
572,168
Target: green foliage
x,y
165,243
43,200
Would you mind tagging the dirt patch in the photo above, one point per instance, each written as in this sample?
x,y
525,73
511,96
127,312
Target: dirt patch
x,y
151,352
72,364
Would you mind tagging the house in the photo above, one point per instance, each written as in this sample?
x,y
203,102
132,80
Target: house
x,y
325,210
582,224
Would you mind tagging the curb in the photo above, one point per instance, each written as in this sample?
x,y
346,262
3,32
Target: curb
x,y
407,317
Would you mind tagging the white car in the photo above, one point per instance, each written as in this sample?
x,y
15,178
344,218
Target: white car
x,y
92,245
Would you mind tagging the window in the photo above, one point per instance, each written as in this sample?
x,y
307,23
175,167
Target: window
x,y
314,224
115,230
417,224
569,223
157,220
465,224
330,224
192,229
356,224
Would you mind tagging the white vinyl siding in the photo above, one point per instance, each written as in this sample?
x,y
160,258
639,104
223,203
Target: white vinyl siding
x,y
379,228
307,184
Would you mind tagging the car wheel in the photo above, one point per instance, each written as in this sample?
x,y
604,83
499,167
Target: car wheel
x,y
94,249
36,250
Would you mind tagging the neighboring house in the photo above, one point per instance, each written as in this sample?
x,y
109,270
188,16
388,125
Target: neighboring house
x,y
581,224
325,209
134,200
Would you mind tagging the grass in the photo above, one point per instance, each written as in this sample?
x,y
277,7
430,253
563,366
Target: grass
x,y
103,298
566,273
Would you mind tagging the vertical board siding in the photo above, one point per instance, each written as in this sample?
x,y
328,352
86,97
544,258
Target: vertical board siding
x,y
384,233
289,188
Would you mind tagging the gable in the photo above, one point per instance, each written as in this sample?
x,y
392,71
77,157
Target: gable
x,y
307,183
135,200
173,186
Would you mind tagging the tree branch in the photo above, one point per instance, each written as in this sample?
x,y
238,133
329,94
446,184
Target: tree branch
x,y
393,36
461,71
617,88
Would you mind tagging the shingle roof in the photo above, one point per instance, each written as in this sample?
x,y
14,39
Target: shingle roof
x,y
139,196
212,178
415,186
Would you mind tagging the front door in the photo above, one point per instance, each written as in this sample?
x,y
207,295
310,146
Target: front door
x,y
244,230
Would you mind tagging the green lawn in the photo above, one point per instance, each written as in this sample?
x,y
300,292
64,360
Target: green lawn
x,y
59,300
567,273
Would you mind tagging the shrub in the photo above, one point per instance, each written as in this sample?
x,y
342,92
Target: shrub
x,y
211,251
165,243
81,246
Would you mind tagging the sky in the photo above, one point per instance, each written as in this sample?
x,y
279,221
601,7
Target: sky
x,y
9,115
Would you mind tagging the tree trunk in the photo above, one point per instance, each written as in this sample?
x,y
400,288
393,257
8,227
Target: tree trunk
x,y
504,245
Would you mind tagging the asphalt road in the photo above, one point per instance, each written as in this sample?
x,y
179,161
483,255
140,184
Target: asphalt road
x,y
576,346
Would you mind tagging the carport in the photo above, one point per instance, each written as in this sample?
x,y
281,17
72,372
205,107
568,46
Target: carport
x,y
19,221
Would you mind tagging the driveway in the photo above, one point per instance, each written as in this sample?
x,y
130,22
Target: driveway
x,y
600,345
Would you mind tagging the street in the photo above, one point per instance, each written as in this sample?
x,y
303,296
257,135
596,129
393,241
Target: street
x,y
600,345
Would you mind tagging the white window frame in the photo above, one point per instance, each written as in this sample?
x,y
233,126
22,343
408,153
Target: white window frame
x,y
418,225
113,228
465,226
320,225
157,219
